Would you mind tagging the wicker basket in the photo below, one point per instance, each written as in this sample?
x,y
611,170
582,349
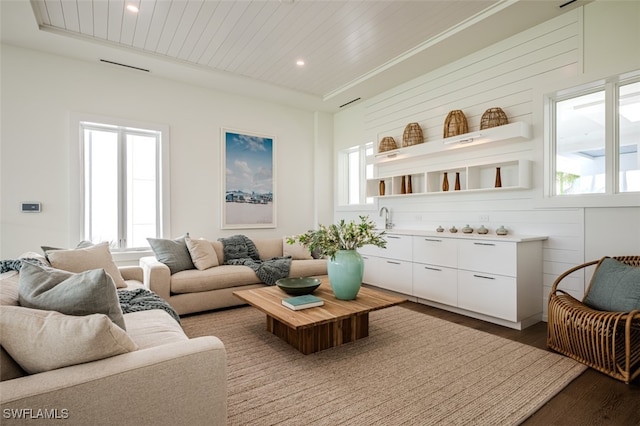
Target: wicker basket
x,y
387,144
455,124
493,117
412,135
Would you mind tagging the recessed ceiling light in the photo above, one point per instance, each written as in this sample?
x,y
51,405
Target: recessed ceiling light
x,y
300,63
133,8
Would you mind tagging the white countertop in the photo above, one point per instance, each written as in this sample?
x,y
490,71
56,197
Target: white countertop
x,y
491,236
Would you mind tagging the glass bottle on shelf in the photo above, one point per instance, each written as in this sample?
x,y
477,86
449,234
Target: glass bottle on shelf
x,y
457,184
445,182
381,187
403,187
409,185
498,178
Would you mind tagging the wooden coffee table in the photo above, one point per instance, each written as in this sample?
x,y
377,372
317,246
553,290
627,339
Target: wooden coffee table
x,y
315,329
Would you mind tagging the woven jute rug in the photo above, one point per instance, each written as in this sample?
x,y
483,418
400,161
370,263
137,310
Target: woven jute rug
x,y
413,369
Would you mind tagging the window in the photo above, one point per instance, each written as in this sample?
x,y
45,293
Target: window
x,y
122,184
595,133
355,167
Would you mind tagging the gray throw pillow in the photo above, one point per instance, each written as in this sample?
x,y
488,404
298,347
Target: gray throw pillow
x,y
173,253
615,287
85,293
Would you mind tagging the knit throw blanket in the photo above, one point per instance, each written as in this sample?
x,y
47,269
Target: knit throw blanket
x,y
142,299
240,250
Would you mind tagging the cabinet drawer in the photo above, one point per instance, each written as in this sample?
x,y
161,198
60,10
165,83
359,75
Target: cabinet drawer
x,y
492,257
435,283
395,275
370,275
435,251
488,294
398,247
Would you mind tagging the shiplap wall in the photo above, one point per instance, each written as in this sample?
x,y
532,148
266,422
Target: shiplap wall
x,y
505,75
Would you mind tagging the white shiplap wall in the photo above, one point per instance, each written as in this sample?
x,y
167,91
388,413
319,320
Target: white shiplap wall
x,y
505,75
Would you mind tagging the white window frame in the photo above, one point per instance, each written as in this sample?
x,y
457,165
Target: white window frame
x,y
611,197
76,177
343,177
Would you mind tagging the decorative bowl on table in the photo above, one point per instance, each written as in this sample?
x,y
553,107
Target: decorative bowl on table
x,y
298,286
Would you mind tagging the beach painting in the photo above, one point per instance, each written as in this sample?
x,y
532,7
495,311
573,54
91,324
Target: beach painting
x,y
248,180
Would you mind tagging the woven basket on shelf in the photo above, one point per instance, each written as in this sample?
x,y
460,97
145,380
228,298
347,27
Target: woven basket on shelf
x,y
455,124
493,117
387,144
412,135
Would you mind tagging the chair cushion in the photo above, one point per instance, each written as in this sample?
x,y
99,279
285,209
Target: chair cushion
x,y
41,340
615,287
86,293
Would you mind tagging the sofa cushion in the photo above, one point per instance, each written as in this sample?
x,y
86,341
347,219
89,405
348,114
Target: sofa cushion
x,y
615,287
153,328
89,292
202,253
173,253
308,268
269,247
9,368
84,259
41,340
223,276
9,288
296,250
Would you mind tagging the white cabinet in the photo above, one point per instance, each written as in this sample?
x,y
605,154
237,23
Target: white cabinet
x,y
391,267
395,275
488,294
495,278
436,283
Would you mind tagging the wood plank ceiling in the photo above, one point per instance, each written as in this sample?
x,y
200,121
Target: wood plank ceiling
x,y
341,42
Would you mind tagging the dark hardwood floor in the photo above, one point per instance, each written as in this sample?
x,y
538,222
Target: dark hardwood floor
x,y
591,399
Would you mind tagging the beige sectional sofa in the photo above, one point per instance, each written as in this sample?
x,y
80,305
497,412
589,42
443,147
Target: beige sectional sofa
x,y
195,290
168,379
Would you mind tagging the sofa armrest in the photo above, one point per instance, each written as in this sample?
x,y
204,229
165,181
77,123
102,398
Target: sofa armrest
x,y
177,383
156,276
131,273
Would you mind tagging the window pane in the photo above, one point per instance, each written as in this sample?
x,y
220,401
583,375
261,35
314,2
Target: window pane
x,y
141,189
629,137
354,177
580,145
101,186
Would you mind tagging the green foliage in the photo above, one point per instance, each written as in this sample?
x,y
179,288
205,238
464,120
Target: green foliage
x,y
327,240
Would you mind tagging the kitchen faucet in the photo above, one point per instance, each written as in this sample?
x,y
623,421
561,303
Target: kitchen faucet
x,y
387,218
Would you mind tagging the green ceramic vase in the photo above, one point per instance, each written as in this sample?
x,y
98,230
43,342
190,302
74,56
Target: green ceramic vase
x,y
345,274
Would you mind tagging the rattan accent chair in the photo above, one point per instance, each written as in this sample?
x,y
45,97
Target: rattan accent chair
x,y
605,341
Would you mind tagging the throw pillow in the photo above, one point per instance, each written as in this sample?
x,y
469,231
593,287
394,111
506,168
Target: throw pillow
x,y
615,287
89,292
84,259
45,340
296,250
202,253
173,253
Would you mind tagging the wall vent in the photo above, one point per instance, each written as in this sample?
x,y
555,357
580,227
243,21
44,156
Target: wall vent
x,y
124,65
350,102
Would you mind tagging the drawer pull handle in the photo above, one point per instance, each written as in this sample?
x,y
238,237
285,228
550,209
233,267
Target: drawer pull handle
x,y
365,257
484,244
393,236
482,276
432,240
433,269
393,263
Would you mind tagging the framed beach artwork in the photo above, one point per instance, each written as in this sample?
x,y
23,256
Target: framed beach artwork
x,y
248,180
